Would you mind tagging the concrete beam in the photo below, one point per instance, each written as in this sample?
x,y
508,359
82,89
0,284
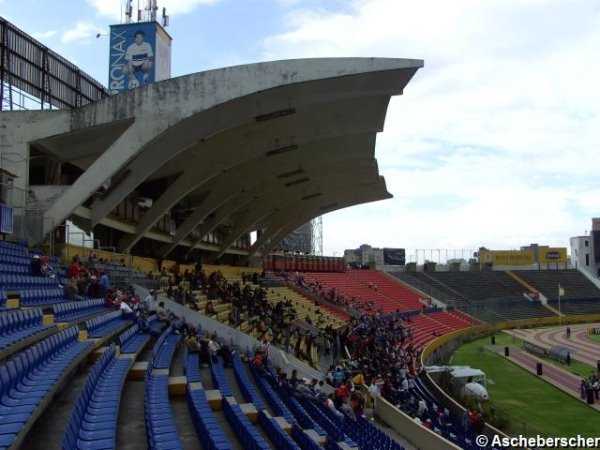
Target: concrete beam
x,y
262,166
339,179
283,223
267,175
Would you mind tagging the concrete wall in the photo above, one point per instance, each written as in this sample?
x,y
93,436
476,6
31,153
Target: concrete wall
x,y
43,196
411,430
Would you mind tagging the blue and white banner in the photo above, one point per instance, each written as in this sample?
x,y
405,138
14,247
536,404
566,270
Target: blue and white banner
x,y
136,51
6,219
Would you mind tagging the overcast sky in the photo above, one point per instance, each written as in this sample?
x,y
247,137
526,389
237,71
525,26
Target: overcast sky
x,y
495,142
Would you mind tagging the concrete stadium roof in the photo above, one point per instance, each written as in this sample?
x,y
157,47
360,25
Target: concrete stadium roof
x,y
264,146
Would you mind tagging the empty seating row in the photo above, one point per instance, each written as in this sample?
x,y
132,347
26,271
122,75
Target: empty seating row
x,y
219,379
11,249
42,296
13,282
68,311
191,366
574,283
108,323
303,419
18,325
164,349
16,268
2,300
279,437
133,340
160,424
20,259
246,386
247,434
210,433
305,442
332,429
31,377
362,432
577,305
93,423
20,245
271,396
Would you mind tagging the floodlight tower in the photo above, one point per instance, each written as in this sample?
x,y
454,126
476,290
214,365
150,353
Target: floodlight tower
x,y
317,236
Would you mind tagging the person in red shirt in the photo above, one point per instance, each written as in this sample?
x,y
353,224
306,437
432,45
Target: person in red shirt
x,y
74,268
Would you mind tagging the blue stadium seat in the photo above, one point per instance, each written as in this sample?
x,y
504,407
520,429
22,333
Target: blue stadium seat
x,y
108,323
247,434
164,349
69,311
26,380
93,423
210,433
191,368
18,325
160,423
246,386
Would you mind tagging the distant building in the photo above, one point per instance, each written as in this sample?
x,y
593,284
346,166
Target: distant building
x,y
527,256
585,250
365,255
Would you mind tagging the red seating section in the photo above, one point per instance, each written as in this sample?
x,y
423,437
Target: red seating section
x,y
390,295
426,327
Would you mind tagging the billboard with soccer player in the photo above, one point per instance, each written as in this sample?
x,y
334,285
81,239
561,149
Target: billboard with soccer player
x,y
140,53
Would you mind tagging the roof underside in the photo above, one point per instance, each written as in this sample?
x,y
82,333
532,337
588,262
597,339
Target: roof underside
x,y
260,147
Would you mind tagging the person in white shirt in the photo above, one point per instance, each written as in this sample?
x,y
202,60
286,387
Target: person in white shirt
x,y
150,301
422,409
374,390
127,311
329,404
139,57
213,348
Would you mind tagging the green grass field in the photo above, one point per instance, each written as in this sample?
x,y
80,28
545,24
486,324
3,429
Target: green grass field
x,y
526,399
594,337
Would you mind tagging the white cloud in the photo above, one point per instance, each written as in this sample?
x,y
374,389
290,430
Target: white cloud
x,y
81,33
116,8
494,141
43,34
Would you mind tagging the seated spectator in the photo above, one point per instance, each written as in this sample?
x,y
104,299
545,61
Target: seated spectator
x,y
209,309
192,343
36,266
226,353
357,403
145,326
178,324
127,311
258,362
213,348
93,288
161,313
330,404
150,301
104,282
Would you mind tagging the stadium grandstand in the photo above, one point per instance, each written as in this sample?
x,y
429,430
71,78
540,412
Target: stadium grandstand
x,y
183,323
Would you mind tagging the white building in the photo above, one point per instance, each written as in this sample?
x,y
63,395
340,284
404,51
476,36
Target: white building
x,y
585,250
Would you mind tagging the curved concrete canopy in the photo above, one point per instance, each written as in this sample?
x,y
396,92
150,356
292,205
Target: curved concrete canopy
x,y
343,178
235,188
229,139
290,219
